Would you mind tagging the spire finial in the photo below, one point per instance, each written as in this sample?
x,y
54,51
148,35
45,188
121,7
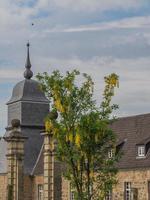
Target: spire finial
x,y
28,73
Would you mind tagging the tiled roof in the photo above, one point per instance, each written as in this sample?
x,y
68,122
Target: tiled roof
x,y
133,130
130,132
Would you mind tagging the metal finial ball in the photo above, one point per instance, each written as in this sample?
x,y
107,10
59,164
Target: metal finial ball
x,y
28,74
15,123
28,44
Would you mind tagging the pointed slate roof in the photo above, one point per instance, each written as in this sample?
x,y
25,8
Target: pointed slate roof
x,y
28,89
28,93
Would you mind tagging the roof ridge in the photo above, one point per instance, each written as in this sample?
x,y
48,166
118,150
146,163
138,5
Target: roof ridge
x,y
41,150
133,116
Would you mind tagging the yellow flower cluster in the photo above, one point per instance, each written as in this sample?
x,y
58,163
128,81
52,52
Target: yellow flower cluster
x,y
59,106
78,140
69,137
55,131
112,80
48,126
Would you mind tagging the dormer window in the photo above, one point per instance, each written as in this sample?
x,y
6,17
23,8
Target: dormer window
x,y
141,151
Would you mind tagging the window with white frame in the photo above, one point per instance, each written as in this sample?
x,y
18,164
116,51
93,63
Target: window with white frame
x,y
109,195
40,192
110,153
72,193
141,151
127,190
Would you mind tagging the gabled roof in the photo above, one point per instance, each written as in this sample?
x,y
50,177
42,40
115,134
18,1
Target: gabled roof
x,y
130,131
133,129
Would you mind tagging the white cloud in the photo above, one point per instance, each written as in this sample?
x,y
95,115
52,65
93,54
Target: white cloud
x,y
126,23
94,49
101,5
13,13
78,5
133,95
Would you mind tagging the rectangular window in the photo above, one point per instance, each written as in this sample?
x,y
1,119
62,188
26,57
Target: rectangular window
x,y
72,193
72,196
127,190
110,153
141,151
40,192
109,195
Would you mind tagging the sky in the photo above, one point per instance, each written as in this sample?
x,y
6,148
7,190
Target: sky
x,y
97,37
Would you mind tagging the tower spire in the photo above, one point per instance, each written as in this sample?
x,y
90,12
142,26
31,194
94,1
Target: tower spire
x,y
28,73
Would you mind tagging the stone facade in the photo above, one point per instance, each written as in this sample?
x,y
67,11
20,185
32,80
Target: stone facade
x,y
15,162
28,188
48,187
3,186
37,180
139,179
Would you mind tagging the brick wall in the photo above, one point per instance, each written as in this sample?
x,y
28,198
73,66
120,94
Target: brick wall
x,y
139,180
37,180
28,188
65,189
3,186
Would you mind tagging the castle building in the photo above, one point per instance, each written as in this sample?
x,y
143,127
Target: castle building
x,y
28,170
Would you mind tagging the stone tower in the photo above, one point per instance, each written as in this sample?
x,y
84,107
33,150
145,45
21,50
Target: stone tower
x,y
29,105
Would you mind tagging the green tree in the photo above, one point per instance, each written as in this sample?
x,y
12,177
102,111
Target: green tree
x,y
82,131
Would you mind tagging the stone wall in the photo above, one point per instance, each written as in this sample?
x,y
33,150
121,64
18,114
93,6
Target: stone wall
x,y
61,189
139,179
28,188
3,186
65,189
38,180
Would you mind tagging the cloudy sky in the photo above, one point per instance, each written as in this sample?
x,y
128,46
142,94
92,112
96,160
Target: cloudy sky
x,y
95,36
